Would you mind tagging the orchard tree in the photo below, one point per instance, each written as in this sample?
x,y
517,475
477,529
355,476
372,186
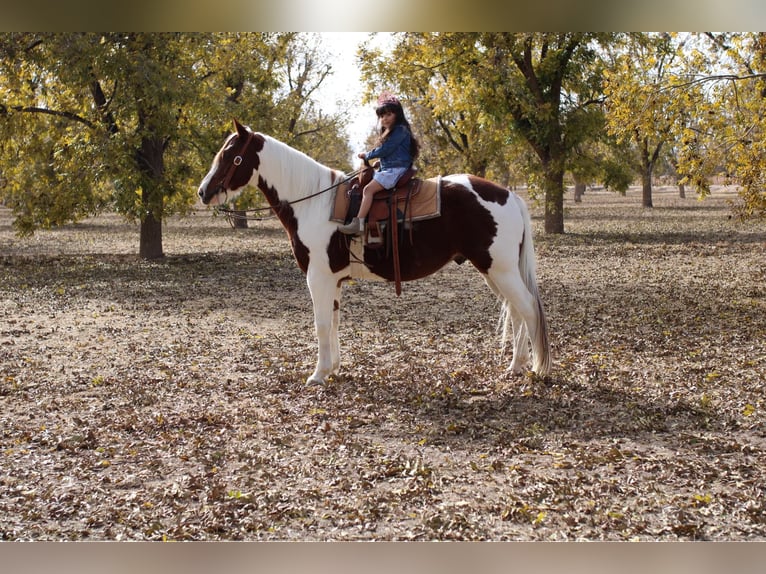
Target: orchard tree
x,y
729,129
546,85
486,90
91,121
603,160
126,121
295,116
430,71
643,105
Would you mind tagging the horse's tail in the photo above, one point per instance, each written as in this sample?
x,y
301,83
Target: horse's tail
x,y
541,348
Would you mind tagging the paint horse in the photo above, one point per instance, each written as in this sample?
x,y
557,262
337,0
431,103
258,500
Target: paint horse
x,y
480,221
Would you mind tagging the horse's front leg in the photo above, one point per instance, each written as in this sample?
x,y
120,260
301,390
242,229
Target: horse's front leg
x,y
324,289
334,338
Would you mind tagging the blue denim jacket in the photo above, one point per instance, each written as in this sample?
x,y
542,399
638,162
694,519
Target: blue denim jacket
x,y
395,151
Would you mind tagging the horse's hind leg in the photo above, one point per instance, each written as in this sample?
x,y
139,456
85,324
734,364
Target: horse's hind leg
x,y
521,358
520,312
514,328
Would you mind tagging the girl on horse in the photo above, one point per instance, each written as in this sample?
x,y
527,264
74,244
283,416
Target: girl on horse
x,y
397,149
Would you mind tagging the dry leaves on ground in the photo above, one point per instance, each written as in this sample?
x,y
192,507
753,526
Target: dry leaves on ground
x,y
166,400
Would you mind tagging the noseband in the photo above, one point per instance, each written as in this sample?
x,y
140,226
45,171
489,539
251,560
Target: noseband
x,y
236,162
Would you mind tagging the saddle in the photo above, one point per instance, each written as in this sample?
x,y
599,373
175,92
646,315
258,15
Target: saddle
x,y
392,212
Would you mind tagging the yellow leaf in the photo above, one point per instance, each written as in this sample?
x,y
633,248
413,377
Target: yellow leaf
x,y
702,499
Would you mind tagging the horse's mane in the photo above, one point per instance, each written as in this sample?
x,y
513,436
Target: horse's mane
x,y
290,170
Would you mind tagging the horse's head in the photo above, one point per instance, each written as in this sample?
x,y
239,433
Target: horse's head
x,y
233,166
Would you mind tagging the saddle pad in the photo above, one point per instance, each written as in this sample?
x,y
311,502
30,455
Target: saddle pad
x,y
425,204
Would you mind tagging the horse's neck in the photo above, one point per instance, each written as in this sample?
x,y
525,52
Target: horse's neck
x,y
292,173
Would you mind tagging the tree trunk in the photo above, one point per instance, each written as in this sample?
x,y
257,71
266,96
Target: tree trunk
x,y
681,191
579,191
646,185
554,200
239,219
151,237
151,163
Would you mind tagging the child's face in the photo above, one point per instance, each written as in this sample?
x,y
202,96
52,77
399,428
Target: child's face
x,y
387,119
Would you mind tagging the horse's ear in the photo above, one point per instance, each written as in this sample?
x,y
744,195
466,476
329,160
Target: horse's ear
x,y
241,130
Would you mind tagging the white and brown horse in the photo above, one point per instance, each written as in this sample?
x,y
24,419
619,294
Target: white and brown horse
x,y
480,222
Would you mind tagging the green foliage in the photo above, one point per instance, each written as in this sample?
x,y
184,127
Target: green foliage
x,y
129,121
692,102
699,99
431,71
544,85
476,98
728,134
642,103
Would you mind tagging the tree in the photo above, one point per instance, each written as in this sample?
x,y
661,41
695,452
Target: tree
x,y
430,70
546,84
642,106
295,117
728,132
486,91
600,159
126,121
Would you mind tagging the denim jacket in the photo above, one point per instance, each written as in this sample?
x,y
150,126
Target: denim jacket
x,y
395,151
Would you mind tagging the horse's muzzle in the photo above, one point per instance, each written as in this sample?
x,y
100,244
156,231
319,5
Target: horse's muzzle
x,y
207,197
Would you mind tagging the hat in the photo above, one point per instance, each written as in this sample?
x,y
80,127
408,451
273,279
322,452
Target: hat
x,y
386,98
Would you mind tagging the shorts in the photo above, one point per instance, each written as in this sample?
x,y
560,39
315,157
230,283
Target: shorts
x,y
388,177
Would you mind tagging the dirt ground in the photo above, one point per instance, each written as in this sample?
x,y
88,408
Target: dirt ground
x,y
166,400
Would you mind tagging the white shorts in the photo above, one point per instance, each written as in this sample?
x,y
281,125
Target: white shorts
x,y
388,177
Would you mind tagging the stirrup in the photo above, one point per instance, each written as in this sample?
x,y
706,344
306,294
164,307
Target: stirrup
x,y
374,234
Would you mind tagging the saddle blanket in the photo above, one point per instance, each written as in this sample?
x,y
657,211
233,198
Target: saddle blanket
x,y
424,203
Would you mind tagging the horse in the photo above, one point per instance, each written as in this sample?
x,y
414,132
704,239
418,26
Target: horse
x,y
481,222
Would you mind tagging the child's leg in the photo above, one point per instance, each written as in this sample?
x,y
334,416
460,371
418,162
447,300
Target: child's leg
x,y
356,225
367,194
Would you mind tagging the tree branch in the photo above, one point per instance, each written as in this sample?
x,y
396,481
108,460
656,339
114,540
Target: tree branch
x,y
36,110
448,133
715,78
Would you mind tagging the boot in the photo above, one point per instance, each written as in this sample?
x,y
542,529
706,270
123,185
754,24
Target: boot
x,y
355,227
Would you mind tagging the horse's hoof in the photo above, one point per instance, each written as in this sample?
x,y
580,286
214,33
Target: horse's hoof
x,y
314,381
516,371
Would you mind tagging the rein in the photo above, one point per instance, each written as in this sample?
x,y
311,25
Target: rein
x,y
237,213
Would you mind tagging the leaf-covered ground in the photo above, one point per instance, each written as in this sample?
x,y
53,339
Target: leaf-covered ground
x,y
167,400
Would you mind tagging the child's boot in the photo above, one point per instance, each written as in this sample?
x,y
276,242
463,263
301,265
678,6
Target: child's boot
x,y
354,227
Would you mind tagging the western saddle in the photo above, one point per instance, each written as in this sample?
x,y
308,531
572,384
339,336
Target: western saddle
x,y
386,217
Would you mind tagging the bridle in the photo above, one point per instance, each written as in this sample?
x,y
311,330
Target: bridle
x,y
237,161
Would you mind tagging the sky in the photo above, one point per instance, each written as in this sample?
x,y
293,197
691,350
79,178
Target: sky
x,y
345,84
